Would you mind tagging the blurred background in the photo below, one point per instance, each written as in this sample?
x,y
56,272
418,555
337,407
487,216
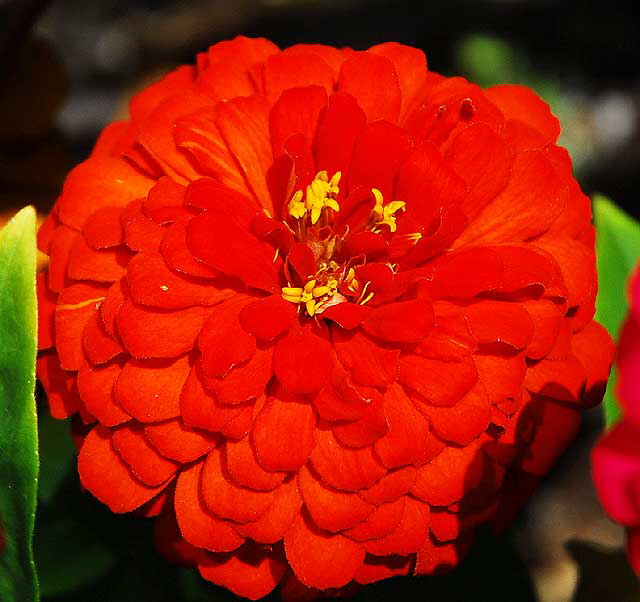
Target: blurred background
x,y
68,67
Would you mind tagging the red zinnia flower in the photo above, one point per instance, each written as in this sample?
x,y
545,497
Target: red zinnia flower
x,y
616,457
321,312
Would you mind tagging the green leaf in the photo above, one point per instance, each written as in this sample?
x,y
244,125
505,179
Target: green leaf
x,y
618,250
18,434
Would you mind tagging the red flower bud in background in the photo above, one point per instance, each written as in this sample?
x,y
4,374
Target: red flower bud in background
x,y
616,457
321,312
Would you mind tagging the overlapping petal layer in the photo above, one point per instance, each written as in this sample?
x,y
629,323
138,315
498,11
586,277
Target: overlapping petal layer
x,y
320,311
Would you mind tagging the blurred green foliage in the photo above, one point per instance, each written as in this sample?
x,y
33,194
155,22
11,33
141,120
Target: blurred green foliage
x,y
618,251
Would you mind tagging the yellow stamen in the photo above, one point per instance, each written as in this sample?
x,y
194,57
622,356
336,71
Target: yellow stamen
x,y
384,215
313,298
320,194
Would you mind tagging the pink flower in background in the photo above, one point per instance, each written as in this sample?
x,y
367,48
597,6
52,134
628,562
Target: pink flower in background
x,y
616,458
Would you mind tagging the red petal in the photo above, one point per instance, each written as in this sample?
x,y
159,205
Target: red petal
x,y
153,284
578,268
145,462
555,427
368,428
106,265
277,520
342,467
449,476
146,101
165,202
400,322
233,251
436,558
110,306
228,65
60,248
381,522
200,137
410,65
302,362
465,273
409,440
200,410
391,486
107,477
177,256
96,183
150,390
244,125
103,229
452,105
95,386
302,260
595,350
520,102
296,69
223,342
46,231
441,383
250,572
76,306
532,200
140,232
379,152
410,535
501,375
197,525
47,300
244,383
156,132
368,363
547,318
268,318
226,499
177,442
296,112
159,334
282,434
99,346
562,379
500,322
320,559
330,509
475,147
463,422
347,315
59,385
427,183
243,469
373,81
340,399
341,115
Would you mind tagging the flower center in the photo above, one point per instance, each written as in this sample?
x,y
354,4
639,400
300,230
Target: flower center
x,y
313,212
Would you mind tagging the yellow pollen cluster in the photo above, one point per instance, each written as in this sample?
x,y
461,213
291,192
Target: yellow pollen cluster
x,y
384,215
317,297
320,194
312,296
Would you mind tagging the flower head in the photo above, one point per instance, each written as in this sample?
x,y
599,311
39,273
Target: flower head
x,y
616,457
321,312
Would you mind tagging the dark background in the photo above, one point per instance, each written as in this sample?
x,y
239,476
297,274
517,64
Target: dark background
x,y
68,67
